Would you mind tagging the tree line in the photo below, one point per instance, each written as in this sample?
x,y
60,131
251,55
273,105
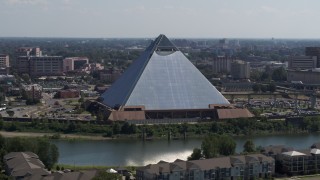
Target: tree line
x,y
215,145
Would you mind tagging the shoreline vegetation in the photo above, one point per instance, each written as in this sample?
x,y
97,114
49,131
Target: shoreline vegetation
x,y
231,127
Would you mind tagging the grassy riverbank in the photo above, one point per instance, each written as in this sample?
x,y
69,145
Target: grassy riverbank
x,y
232,127
86,167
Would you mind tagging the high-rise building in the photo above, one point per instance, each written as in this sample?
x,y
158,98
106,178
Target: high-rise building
x,y
25,51
28,51
4,64
74,63
302,62
221,64
46,65
40,65
4,61
313,51
240,69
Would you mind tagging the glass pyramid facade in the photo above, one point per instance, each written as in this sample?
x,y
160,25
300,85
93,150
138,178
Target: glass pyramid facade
x,y
162,78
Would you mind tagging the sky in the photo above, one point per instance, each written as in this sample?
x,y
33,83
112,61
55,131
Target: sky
x,y
149,18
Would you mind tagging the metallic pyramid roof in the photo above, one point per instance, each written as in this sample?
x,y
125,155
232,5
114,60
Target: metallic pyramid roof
x,y
162,78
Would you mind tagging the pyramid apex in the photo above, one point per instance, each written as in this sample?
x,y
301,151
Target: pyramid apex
x,y
164,44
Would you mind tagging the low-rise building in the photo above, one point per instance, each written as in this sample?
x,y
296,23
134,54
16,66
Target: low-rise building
x,y
20,165
295,162
74,63
33,91
68,93
234,167
311,76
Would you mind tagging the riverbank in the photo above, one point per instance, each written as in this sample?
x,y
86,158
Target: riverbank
x,y
61,136
100,137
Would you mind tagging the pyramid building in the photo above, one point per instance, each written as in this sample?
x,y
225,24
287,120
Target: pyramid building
x,y
162,82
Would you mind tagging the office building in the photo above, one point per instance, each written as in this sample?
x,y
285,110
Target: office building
x,y
40,65
4,61
240,69
221,64
313,51
302,62
4,64
28,51
74,63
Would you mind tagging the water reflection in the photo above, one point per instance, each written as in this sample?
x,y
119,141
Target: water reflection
x,y
137,153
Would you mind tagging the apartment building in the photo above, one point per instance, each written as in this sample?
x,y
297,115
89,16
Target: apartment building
x,y
229,168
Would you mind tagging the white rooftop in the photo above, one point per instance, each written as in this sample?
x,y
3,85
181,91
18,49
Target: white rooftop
x,y
315,151
294,153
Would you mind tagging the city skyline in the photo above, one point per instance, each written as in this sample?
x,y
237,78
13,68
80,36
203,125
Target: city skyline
x,y
147,19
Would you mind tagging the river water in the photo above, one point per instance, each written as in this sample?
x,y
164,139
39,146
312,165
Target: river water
x,y
137,152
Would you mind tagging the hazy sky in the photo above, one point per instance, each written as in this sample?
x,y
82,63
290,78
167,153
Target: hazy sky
x,y
149,18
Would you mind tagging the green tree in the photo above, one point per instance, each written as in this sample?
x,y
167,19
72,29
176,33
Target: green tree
x,y
196,154
116,129
10,113
227,145
104,175
216,145
256,87
249,146
272,88
279,74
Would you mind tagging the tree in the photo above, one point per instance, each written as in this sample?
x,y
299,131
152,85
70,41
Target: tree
x,y
249,146
104,175
227,145
272,88
10,113
116,129
256,87
215,145
279,74
196,154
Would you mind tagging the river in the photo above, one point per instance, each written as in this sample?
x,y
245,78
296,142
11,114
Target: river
x,y
137,153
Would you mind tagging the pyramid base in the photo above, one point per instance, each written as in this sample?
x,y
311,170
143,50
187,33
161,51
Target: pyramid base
x,y
176,116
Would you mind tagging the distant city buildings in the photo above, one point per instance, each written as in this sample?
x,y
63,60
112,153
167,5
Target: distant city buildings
x,y
221,64
74,63
68,93
89,68
110,75
240,69
310,76
33,91
40,65
28,51
313,51
302,62
4,64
